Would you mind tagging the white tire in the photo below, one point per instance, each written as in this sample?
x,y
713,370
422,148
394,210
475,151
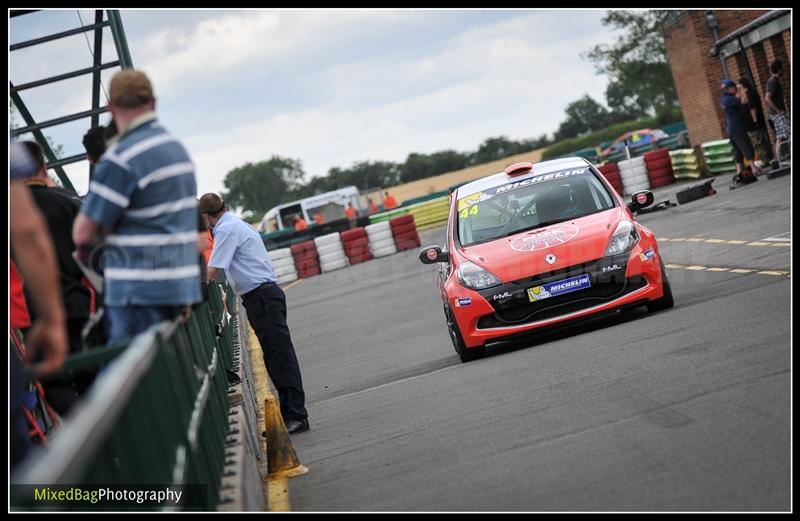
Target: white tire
x,y
386,250
330,248
631,163
280,254
334,265
283,263
384,243
285,270
377,237
331,238
377,227
291,277
334,257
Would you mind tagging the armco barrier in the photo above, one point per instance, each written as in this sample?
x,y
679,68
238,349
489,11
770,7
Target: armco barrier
x,y
158,414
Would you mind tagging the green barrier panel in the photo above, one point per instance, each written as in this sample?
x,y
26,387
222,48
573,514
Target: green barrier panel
x,y
423,198
156,415
674,128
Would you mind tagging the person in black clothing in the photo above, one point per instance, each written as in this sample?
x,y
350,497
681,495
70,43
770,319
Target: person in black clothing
x,y
777,105
751,103
59,208
737,123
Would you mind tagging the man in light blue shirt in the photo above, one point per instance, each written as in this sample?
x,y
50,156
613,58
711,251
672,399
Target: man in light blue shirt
x,y
239,250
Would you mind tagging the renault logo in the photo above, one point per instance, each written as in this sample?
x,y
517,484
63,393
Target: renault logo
x,y
550,259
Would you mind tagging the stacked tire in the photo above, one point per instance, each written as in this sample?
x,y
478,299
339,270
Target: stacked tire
x,y
633,174
659,167
404,232
356,245
283,264
331,253
611,172
381,240
306,260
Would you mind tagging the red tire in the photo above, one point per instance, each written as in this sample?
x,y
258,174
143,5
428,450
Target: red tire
x,y
403,219
404,228
657,164
408,236
355,252
657,154
304,274
355,242
360,258
303,247
355,233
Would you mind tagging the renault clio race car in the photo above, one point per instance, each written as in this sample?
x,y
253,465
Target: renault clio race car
x,y
542,246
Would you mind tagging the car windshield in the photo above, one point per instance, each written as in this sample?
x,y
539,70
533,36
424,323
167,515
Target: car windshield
x,y
530,203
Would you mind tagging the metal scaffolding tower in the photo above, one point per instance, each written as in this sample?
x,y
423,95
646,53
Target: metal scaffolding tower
x,y
114,22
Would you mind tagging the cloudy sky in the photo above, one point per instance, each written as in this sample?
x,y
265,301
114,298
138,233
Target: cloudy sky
x,y
326,87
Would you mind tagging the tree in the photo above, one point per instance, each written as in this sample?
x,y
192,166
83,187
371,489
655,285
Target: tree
x,y
636,64
583,116
257,187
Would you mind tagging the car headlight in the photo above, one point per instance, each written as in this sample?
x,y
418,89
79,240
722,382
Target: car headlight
x,y
624,238
473,276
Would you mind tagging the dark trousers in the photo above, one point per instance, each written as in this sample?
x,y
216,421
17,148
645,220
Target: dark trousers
x,y
266,312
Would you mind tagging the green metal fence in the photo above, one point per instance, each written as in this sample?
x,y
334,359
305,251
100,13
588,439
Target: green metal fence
x,y
157,415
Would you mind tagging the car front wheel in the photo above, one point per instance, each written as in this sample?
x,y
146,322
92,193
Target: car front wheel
x,y
464,353
666,301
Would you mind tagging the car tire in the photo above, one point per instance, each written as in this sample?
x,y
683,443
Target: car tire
x,y
464,353
667,301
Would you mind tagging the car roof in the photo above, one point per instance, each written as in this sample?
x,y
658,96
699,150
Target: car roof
x,y
501,178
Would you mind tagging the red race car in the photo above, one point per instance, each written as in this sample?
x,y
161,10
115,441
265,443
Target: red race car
x,y
542,246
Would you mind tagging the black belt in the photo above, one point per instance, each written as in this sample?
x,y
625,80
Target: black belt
x,y
256,289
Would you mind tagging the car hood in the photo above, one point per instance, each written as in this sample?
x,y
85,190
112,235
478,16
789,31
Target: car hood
x,y
526,254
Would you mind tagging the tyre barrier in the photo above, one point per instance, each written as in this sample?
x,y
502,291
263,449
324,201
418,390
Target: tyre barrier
x,y
685,164
659,168
283,265
356,245
633,174
381,241
719,156
404,233
306,260
611,172
330,252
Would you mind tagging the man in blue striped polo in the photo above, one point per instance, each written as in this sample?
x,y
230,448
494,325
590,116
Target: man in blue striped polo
x,y
142,201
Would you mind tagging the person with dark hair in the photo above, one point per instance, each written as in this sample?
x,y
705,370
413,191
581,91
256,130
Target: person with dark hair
x,y
776,104
737,123
142,201
59,209
751,103
240,251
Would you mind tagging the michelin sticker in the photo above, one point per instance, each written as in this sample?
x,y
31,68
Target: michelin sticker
x,y
544,238
561,287
647,255
479,197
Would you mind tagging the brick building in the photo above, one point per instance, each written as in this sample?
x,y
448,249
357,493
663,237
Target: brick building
x,y
746,40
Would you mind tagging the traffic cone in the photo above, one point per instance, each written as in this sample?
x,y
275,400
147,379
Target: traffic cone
x,y
281,458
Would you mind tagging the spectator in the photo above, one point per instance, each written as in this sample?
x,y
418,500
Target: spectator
x,y
737,122
240,251
59,209
776,105
350,212
751,103
318,218
33,254
143,201
300,224
389,202
373,208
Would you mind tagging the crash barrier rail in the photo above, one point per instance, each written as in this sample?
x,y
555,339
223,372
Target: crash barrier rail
x,y
685,164
156,415
424,198
719,156
675,141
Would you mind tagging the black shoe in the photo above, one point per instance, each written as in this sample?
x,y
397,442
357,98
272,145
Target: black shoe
x,y
297,426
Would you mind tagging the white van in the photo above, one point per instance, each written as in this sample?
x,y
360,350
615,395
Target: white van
x,y
330,205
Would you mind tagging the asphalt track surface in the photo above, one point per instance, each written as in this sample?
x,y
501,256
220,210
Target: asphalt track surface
x,y
683,410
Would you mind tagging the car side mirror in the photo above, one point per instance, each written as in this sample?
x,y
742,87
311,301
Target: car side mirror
x,y
432,255
641,199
